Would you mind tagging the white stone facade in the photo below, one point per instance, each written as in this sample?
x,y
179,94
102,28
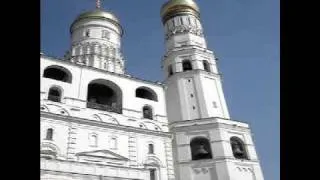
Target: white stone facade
x,y
98,122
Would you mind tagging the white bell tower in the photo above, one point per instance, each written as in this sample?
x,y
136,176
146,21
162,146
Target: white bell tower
x,y
207,145
96,41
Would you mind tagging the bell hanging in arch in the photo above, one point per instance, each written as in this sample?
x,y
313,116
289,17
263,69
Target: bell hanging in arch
x,y
237,150
201,151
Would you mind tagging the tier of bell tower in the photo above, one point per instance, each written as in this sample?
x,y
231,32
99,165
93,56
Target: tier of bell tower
x,y
96,41
207,144
191,70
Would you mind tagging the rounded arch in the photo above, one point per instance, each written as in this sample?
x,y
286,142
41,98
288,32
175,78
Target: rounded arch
x,y
49,150
104,95
146,93
153,161
58,73
200,148
55,93
238,148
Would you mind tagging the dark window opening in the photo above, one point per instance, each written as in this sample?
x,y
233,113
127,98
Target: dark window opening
x,y
87,33
170,71
206,66
152,174
147,112
54,95
200,148
104,95
49,135
186,65
238,148
151,150
57,73
146,93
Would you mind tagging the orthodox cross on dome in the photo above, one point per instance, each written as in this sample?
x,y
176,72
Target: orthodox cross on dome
x,y
98,4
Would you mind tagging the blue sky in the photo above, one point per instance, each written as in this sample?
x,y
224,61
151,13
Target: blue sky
x,y
244,34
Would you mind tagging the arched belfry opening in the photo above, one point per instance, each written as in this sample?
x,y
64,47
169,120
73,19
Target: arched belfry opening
x,y
146,93
238,148
58,73
200,148
186,65
104,95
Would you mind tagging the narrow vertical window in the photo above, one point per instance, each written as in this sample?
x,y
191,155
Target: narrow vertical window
x,y
206,66
151,149
113,143
93,140
147,112
105,34
170,71
181,20
49,134
152,174
87,33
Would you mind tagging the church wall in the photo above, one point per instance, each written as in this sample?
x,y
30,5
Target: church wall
x,y
76,92
60,135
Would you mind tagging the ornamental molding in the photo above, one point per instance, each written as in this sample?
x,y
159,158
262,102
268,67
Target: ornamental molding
x,y
182,29
104,125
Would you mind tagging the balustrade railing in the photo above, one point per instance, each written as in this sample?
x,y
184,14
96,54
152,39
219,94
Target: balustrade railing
x,y
54,98
104,107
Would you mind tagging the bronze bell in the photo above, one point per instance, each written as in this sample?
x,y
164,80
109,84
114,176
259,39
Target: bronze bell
x,y
237,150
201,151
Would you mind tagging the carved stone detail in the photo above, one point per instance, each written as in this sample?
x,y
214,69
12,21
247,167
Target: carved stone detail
x,y
184,29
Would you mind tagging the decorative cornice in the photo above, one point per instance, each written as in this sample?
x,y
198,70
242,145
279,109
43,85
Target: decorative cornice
x,y
156,83
104,124
184,29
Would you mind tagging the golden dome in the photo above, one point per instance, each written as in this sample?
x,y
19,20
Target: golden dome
x,y
98,14
175,6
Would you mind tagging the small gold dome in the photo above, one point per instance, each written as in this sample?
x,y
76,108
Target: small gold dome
x,y
175,6
98,14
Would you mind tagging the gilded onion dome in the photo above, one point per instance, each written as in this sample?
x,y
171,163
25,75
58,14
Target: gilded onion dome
x,y
98,14
177,7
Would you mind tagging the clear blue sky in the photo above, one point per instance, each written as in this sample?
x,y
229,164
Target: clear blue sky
x,y
244,34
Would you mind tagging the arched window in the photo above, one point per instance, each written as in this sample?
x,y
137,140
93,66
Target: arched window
x,y
104,95
54,94
151,149
58,73
200,148
147,112
186,65
238,148
170,71
206,66
146,93
93,140
49,134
